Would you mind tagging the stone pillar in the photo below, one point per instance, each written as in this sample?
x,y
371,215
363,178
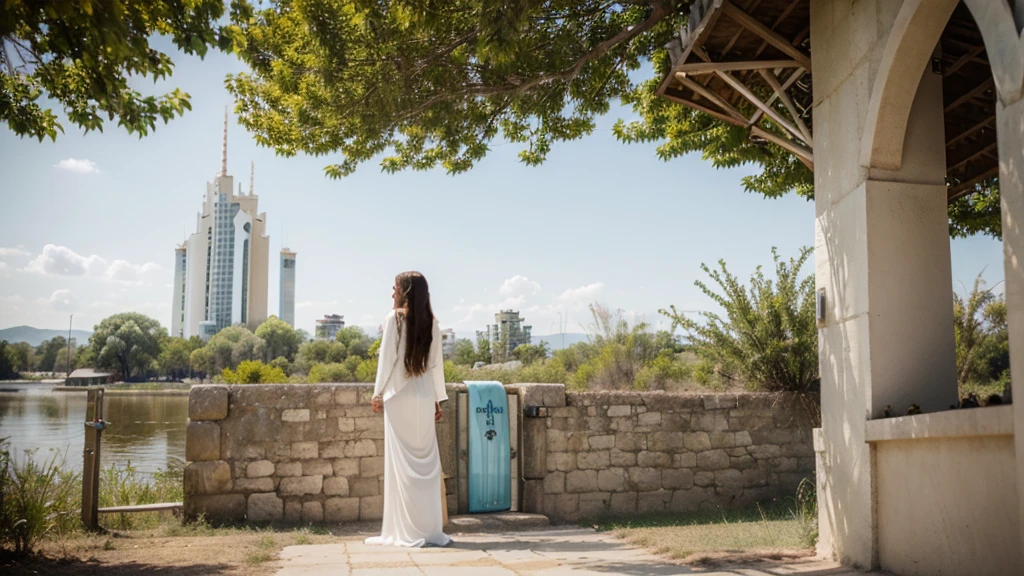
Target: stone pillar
x,y
882,259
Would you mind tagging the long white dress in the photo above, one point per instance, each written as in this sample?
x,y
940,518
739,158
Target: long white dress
x,y
412,464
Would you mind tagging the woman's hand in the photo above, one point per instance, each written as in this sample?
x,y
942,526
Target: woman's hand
x,y
378,404
437,412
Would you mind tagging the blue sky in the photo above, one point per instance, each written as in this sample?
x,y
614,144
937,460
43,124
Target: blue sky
x,y
89,224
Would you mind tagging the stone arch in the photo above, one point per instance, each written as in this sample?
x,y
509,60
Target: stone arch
x,y
915,32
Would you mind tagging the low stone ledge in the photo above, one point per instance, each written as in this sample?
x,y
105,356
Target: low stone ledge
x,y
963,423
208,402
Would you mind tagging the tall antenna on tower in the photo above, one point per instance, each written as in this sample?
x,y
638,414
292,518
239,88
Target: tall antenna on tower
x,y
224,147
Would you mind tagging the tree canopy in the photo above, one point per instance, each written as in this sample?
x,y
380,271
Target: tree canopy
x,y
426,84
82,54
129,342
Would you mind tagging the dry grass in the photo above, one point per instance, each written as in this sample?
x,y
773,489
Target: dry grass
x,y
770,533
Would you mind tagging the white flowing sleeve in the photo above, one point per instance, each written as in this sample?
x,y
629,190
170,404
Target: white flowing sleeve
x,y
437,364
387,354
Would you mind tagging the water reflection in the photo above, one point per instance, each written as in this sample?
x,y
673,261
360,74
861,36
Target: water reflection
x,y
147,430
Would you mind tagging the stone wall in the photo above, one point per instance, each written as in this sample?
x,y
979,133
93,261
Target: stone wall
x,y
314,453
621,453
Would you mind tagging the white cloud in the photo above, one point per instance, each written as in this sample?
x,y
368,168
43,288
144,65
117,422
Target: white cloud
x,y
584,294
124,271
84,166
16,251
64,301
63,261
519,286
329,306
3,265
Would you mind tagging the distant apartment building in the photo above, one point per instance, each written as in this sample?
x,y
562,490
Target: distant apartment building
x,y
221,270
447,342
507,332
329,326
286,308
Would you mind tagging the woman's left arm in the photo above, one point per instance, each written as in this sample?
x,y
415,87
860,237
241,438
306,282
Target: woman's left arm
x,y
437,365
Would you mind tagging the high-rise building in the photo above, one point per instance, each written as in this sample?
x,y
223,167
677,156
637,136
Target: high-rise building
x,y
180,265
447,342
226,260
506,334
286,308
329,326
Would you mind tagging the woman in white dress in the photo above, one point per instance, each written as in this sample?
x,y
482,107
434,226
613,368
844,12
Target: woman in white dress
x,y
409,390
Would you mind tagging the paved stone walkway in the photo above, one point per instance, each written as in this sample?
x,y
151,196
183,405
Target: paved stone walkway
x,y
570,552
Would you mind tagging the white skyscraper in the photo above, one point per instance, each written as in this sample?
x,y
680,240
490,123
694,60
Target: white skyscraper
x,y
286,308
225,261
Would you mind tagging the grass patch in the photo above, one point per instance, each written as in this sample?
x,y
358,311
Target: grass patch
x,y
764,531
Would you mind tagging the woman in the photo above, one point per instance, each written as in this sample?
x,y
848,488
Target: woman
x,y
409,389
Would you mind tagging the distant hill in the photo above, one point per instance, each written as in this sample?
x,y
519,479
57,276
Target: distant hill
x,y
35,336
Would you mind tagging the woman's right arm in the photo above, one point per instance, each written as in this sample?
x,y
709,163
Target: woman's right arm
x,y
387,355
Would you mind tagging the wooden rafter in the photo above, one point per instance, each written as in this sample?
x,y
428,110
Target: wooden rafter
x,y
961,61
796,75
711,96
971,157
768,35
671,95
750,7
985,85
969,131
711,67
749,95
964,188
772,81
802,154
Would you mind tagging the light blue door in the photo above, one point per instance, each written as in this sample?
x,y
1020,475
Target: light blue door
x,y
490,467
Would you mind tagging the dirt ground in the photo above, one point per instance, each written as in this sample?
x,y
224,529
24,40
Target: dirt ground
x,y
211,551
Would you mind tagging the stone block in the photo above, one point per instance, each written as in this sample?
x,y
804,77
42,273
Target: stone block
x,y
743,438
332,449
346,467
554,483
783,464
619,411
336,486
371,508
623,503
304,450
684,460
593,460
295,415
649,419
317,467
293,510
266,507
729,482
312,511
630,442
212,477
594,504
345,396
207,402
704,478
259,469
623,459
254,485
676,479
713,460
562,507
645,479
798,450
564,461
612,480
253,452
202,441
550,395
346,424
579,481
742,462
533,497
653,502
710,422
285,469
736,452
341,509
215,508
360,448
362,487
653,459
297,486
764,451
666,441
696,441
372,467
753,477
684,501
722,439
603,442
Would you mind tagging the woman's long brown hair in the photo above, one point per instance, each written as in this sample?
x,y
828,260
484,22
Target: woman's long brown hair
x,y
414,309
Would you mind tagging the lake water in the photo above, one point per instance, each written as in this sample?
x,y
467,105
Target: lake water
x,y
147,430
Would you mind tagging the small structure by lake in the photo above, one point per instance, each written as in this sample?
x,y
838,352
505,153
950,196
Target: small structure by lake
x,y
88,377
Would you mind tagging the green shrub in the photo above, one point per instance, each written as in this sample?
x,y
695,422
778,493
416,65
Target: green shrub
x,y
664,369
38,499
366,371
329,372
254,372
